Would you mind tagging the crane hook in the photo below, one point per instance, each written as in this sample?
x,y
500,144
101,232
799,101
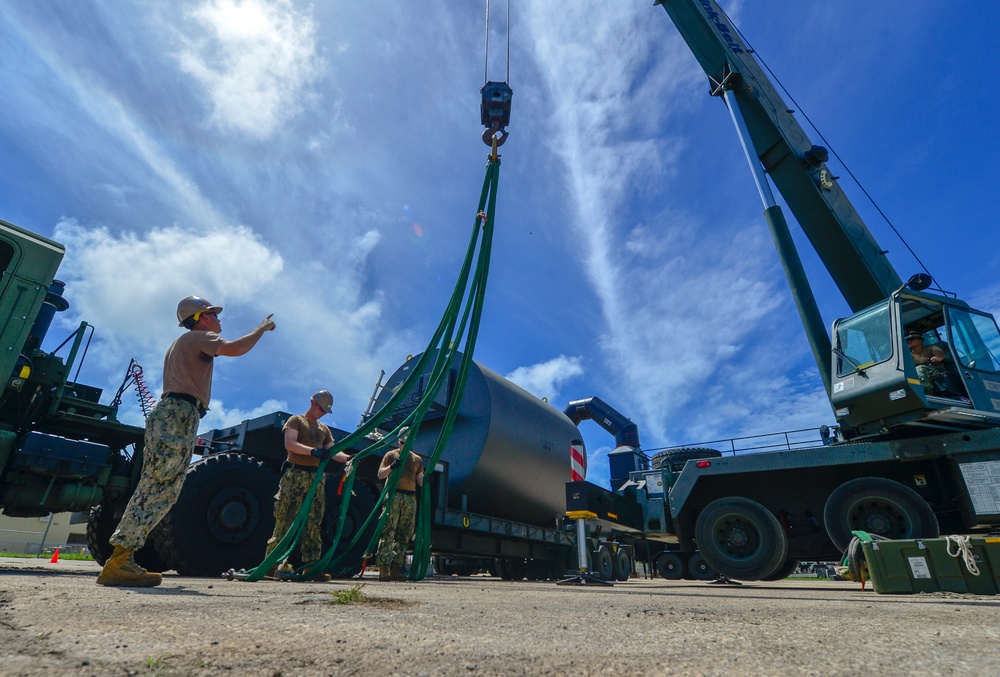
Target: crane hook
x,y
489,134
495,111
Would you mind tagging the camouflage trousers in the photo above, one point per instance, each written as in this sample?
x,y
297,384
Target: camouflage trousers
x,y
927,374
292,490
397,531
171,429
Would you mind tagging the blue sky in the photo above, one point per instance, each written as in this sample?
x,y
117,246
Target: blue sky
x,y
323,161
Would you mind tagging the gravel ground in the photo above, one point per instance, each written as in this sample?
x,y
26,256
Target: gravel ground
x,y
54,619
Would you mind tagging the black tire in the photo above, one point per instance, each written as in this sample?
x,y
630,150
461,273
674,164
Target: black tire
x,y
539,569
441,568
222,518
669,565
879,506
674,459
699,569
361,506
468,568
741,539
102,523
604,566
512,569
622,564
518,569
784,571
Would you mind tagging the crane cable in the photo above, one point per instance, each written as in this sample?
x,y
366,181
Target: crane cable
x,y
832,150
486,66
495,111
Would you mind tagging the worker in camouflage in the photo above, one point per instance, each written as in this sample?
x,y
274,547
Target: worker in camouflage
x,y
307,442
171,431
170,427
402,518
292,490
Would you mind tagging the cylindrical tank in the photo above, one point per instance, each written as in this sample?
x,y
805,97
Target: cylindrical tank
x,y
508,453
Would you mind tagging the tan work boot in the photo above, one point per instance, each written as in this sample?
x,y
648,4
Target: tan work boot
x,y
384,573
396,574
121,569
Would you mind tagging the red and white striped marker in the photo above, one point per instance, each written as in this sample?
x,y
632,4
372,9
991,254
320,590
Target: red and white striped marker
x,y
577,463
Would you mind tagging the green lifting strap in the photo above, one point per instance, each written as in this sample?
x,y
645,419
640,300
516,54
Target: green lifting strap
x,y
463,313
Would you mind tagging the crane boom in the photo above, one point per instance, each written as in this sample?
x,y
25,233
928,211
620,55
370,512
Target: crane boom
x,y
854,259
907,361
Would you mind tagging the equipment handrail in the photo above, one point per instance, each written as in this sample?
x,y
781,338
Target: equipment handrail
x,y
734,445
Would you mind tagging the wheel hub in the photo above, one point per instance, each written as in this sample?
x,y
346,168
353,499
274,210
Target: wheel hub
x,y
738,539
233,514
877,519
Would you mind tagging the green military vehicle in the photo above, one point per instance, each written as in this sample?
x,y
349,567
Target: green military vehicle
x,y
62,450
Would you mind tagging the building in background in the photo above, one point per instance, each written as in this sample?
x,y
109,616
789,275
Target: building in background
x,y
68,531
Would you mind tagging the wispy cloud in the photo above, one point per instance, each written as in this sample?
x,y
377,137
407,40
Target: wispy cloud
x,y
256,61
546,379
678,300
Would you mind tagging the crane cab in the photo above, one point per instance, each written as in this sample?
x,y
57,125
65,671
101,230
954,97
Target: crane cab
x,y
878,382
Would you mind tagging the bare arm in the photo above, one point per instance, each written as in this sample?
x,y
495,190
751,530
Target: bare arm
x,y
385,469
242,345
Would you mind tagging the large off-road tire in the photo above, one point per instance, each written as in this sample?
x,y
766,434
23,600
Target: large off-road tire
x,y
223,517
360,507
674,459
102,523
878,506
741,539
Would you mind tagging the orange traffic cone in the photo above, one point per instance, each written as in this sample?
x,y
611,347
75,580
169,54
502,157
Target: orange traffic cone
x,y
55,557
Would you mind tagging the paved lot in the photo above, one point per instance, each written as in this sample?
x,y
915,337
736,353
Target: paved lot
x,y
54,619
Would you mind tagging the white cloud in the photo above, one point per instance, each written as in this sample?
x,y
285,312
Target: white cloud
x,y
546,378
124,283
257,63
220,417
328,324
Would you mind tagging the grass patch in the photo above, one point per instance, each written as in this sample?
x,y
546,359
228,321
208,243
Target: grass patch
x,y
157,664
48,555
352,595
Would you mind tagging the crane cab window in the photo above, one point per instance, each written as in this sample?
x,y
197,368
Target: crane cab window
x,y
975,339
863,340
